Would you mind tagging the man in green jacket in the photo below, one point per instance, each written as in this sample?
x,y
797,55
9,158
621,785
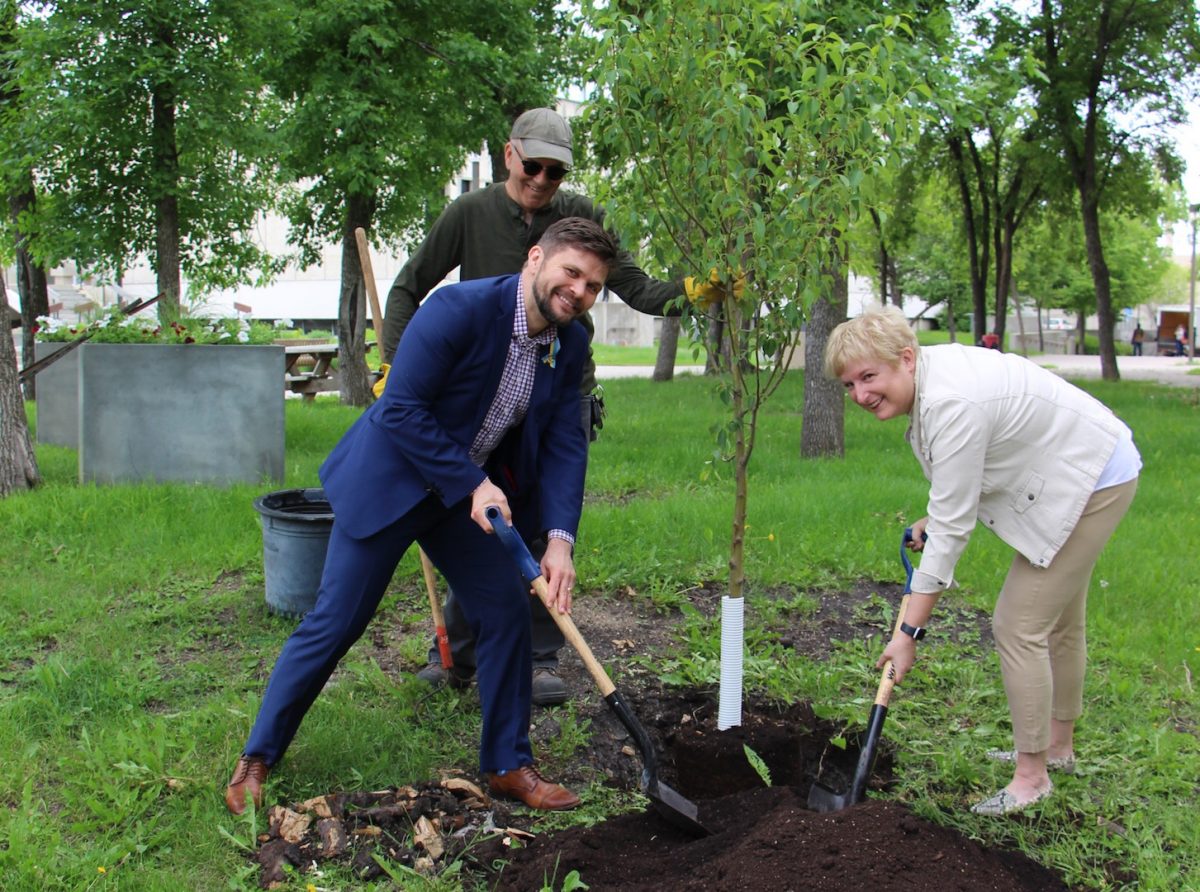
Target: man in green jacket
x,y
488,232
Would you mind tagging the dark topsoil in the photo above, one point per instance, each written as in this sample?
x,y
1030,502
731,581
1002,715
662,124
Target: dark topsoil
x,y
759,837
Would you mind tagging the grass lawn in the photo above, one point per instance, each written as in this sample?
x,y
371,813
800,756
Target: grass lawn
x,y
137,645
606,354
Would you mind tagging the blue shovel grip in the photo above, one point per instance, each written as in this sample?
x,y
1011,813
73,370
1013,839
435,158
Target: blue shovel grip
x,y
528,567
908,567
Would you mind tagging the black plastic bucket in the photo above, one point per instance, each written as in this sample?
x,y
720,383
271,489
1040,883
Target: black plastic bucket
x,y
295,525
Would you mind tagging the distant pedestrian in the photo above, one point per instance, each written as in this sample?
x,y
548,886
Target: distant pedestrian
x,y
1180,334
1139,336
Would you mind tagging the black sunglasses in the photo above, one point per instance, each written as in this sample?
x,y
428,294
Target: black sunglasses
x,y
554,172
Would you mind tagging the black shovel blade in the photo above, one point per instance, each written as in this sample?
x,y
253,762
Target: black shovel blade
x,y
822,799
677,810
670,804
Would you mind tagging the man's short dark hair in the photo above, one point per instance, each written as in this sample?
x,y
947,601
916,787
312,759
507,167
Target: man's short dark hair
x,y
582,233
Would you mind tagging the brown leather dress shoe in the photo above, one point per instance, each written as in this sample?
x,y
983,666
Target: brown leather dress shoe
x,y
531,788
248,777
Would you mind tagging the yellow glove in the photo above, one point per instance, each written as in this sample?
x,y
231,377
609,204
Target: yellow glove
x,y
712,291
377,387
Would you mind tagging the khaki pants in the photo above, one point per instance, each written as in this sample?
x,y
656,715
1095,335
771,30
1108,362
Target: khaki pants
x,y
1040,623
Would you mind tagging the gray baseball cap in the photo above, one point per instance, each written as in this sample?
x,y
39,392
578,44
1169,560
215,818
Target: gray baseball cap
x,y
543,133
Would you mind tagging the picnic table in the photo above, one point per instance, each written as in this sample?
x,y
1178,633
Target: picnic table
x,y
308,368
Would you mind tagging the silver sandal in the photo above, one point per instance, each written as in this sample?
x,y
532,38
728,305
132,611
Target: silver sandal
x,y
1065,764
1004,803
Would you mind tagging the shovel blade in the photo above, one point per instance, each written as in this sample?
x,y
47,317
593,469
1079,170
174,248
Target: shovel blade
x,y
822,799
672,806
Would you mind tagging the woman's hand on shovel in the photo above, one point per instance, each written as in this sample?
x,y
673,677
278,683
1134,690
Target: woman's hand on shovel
x,y
902,651
558,569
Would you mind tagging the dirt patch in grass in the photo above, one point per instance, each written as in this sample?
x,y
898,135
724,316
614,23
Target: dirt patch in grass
x,y
760,837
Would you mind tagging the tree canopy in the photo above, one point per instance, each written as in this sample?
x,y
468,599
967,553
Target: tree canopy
x,y
154,136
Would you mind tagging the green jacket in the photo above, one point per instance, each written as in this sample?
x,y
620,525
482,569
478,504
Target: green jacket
x,y
484,233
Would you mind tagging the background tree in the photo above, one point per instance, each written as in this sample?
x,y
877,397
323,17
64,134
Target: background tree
x,y
1117,73
929,256
985,137
18,465
1053,263
745,144
19,127
384,102
156,137
548,65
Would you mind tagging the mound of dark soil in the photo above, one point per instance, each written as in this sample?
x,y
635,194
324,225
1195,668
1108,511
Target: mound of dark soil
x,y
760,837
766,839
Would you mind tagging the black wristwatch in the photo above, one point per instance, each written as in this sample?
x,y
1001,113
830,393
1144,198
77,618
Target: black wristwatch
x,y
915,632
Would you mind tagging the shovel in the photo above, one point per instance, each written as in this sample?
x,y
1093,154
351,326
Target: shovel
x,y
821,798
667,802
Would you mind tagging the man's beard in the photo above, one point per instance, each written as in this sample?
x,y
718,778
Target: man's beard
x,y
542,301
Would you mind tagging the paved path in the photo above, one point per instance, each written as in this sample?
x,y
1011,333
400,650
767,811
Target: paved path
x,y
1164,369
1171,370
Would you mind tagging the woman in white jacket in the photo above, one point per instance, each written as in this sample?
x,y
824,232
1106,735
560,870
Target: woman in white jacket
x,y
1048,468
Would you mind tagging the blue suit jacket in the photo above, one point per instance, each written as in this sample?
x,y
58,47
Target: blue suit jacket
x,y
414,441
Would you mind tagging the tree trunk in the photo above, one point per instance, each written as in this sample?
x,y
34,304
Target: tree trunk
x,y
31,284
1020,321
18,465
822,431
1103,282
718,358
668,343
741,466
353,376
978,263
884,258
1004,252
166,173
1081,150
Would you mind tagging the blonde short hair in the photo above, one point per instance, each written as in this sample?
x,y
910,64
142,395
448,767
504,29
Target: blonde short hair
x,y
876,336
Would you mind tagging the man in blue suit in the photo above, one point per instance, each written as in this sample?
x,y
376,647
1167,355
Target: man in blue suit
x,y
482,409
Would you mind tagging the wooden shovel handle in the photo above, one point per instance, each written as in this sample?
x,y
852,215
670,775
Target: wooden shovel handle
x,y
364,260
531,571
567,626
887,678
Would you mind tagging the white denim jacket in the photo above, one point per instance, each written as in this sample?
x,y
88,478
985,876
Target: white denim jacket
x,y
1005,443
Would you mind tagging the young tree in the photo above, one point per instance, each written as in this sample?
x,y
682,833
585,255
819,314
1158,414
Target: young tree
x,y
384,102
746,143
1117,71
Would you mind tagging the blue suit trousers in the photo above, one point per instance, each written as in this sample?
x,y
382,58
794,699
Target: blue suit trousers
x,y
494,600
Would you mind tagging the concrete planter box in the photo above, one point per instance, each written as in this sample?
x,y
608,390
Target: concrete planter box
x,y
192,413
58,398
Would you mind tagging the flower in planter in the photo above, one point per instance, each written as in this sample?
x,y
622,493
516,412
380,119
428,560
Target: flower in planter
x,y
142,328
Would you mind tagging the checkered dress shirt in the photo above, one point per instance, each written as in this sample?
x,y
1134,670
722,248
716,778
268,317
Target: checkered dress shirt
x,y
511,401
